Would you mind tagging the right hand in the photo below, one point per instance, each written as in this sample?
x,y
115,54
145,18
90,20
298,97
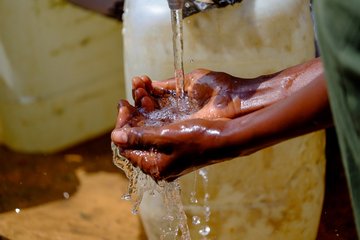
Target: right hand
x,y
218,95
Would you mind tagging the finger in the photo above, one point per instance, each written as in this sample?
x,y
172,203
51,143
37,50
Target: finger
x,y
152,163
147,161
141,137
137,82
148,104
125,113
169,84
122,103
143,100
118,137
138,94
148,83
142,82
194,76
129,138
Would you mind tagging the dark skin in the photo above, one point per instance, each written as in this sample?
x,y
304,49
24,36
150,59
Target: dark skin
x,y
110,8
236,117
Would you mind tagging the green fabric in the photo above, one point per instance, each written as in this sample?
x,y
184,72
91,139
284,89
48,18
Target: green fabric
x,y
338,29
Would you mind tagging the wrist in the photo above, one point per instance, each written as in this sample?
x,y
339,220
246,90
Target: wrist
x,y
265,90
235,134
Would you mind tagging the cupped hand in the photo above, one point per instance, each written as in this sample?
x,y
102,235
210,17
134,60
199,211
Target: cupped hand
x,y
214,94
153,138
166,147
169,151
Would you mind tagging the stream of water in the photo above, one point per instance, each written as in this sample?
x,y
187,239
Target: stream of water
x,y
175,221
177,29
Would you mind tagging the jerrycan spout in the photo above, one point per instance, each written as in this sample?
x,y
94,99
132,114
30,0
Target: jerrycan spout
x,y
176,4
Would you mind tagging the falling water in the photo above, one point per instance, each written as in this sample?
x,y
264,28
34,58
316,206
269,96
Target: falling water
x,y
177,28
175,222
201,222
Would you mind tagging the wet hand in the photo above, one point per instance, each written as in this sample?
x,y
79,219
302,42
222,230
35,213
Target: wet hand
x,y
217,94
137,142
172,150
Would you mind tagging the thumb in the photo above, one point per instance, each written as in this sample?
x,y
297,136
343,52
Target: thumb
x,y
136,137
169,84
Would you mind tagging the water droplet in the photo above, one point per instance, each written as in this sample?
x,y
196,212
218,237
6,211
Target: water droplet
x,y
66,195
17,210
126,197
169,218
134,211
207,209
196,220
204,174
207,196
207,213
204,231
193,198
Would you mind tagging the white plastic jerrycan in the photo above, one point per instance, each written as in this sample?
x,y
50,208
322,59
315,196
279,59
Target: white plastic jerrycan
x,y
61,74
276,193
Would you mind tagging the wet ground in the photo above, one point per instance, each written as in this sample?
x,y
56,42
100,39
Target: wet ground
x,y
75,194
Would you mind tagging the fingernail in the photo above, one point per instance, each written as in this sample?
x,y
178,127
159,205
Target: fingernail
x,y
121,137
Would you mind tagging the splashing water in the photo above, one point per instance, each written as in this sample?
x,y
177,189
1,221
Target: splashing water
x,y
202,222
177,107
175,221
171,111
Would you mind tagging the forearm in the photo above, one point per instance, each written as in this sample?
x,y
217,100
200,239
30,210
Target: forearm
x,y
305,111
266,90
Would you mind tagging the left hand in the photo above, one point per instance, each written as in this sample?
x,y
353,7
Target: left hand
x,y
181,147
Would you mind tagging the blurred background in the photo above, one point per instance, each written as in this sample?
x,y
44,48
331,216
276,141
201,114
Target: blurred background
x,y
61,76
